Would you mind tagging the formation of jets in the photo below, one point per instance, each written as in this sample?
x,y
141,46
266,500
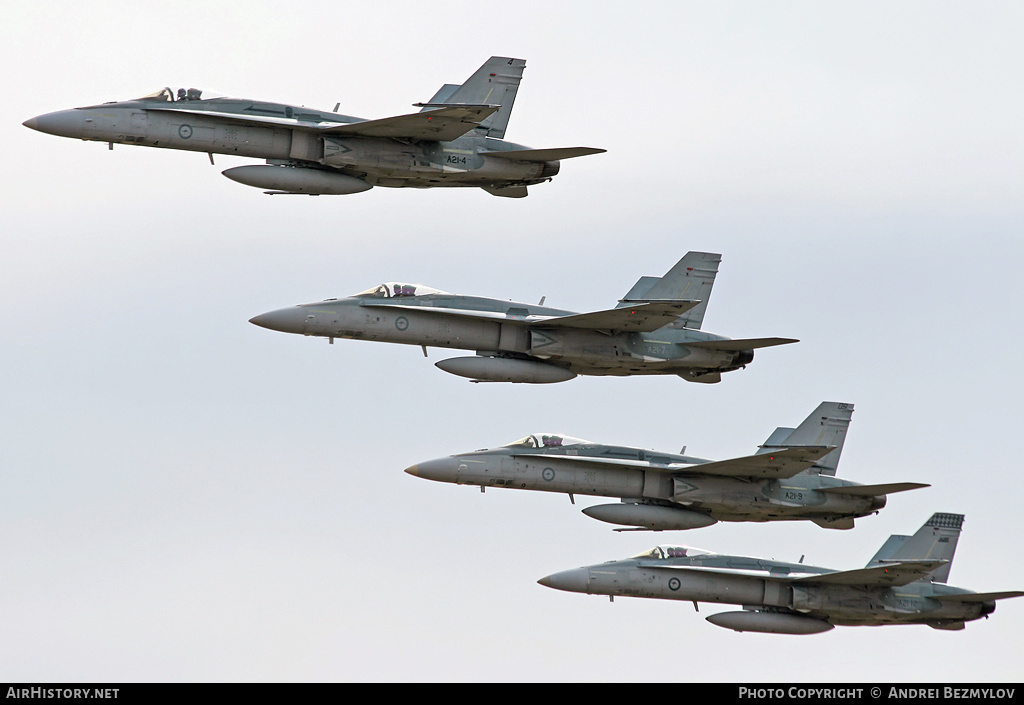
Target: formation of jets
x,y
456,139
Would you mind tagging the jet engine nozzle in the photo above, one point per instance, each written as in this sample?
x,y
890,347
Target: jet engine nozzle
x,y
743,357
550,169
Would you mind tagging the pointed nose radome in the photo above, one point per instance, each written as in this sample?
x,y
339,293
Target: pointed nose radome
x,y
441,469
574,580
63,123
285,320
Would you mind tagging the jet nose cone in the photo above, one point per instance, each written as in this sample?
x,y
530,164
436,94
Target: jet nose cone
x,y
64,123
441,469
574,580
286,320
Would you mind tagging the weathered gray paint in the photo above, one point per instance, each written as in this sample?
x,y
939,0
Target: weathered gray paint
x,y
793,598
404,151
667,491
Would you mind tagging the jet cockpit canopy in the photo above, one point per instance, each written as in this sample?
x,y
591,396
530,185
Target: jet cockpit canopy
x,y
177,95
391,290
662,552
547,440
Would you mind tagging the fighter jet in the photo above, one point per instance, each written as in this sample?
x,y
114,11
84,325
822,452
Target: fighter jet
x,y
654,330
790,477
904,583
457,138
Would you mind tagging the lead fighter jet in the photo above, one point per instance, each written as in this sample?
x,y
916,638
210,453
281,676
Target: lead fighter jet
x,y
457,139
654,330
791,477
904,583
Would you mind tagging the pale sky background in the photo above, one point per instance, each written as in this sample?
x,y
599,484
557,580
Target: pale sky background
x,y
187,497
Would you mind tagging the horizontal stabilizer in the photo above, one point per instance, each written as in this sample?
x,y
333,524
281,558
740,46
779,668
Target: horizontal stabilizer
x,y
980,596
543,155
641,318
874,490
741,344
779,464
442,125
891,574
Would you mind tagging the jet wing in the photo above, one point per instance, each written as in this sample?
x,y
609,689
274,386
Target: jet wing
x,y
443,124
897,573
874,490
741,344
979,596
543,155
642,318
779,464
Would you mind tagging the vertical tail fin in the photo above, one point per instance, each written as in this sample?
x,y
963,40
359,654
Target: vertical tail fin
x,y
494,83
826,426
691,278
935,541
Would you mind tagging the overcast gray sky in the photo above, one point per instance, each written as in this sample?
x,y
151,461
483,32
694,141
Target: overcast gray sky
x,y
189,497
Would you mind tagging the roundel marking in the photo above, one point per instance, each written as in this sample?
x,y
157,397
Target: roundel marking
x,y
185,131
548,474
673,584
401,323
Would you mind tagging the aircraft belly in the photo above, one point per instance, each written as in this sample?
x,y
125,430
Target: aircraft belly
x,y
726,498
202,134
539,474
414,328
703,586
578,347
839,600
388,162
550,475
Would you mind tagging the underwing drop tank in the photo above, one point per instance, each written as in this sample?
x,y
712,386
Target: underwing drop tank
x,y
502,369
649,516
769,622
291,179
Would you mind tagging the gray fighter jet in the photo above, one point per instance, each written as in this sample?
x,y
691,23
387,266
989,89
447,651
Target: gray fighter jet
x,y
655,329
904,583
457,138
790,477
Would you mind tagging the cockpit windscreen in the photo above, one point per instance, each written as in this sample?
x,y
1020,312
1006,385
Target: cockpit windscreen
x,y
662,552
393,290
177,95
547,440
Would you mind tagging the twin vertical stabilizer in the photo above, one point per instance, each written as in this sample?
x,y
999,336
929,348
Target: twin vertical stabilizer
x,y
690,279
494,83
